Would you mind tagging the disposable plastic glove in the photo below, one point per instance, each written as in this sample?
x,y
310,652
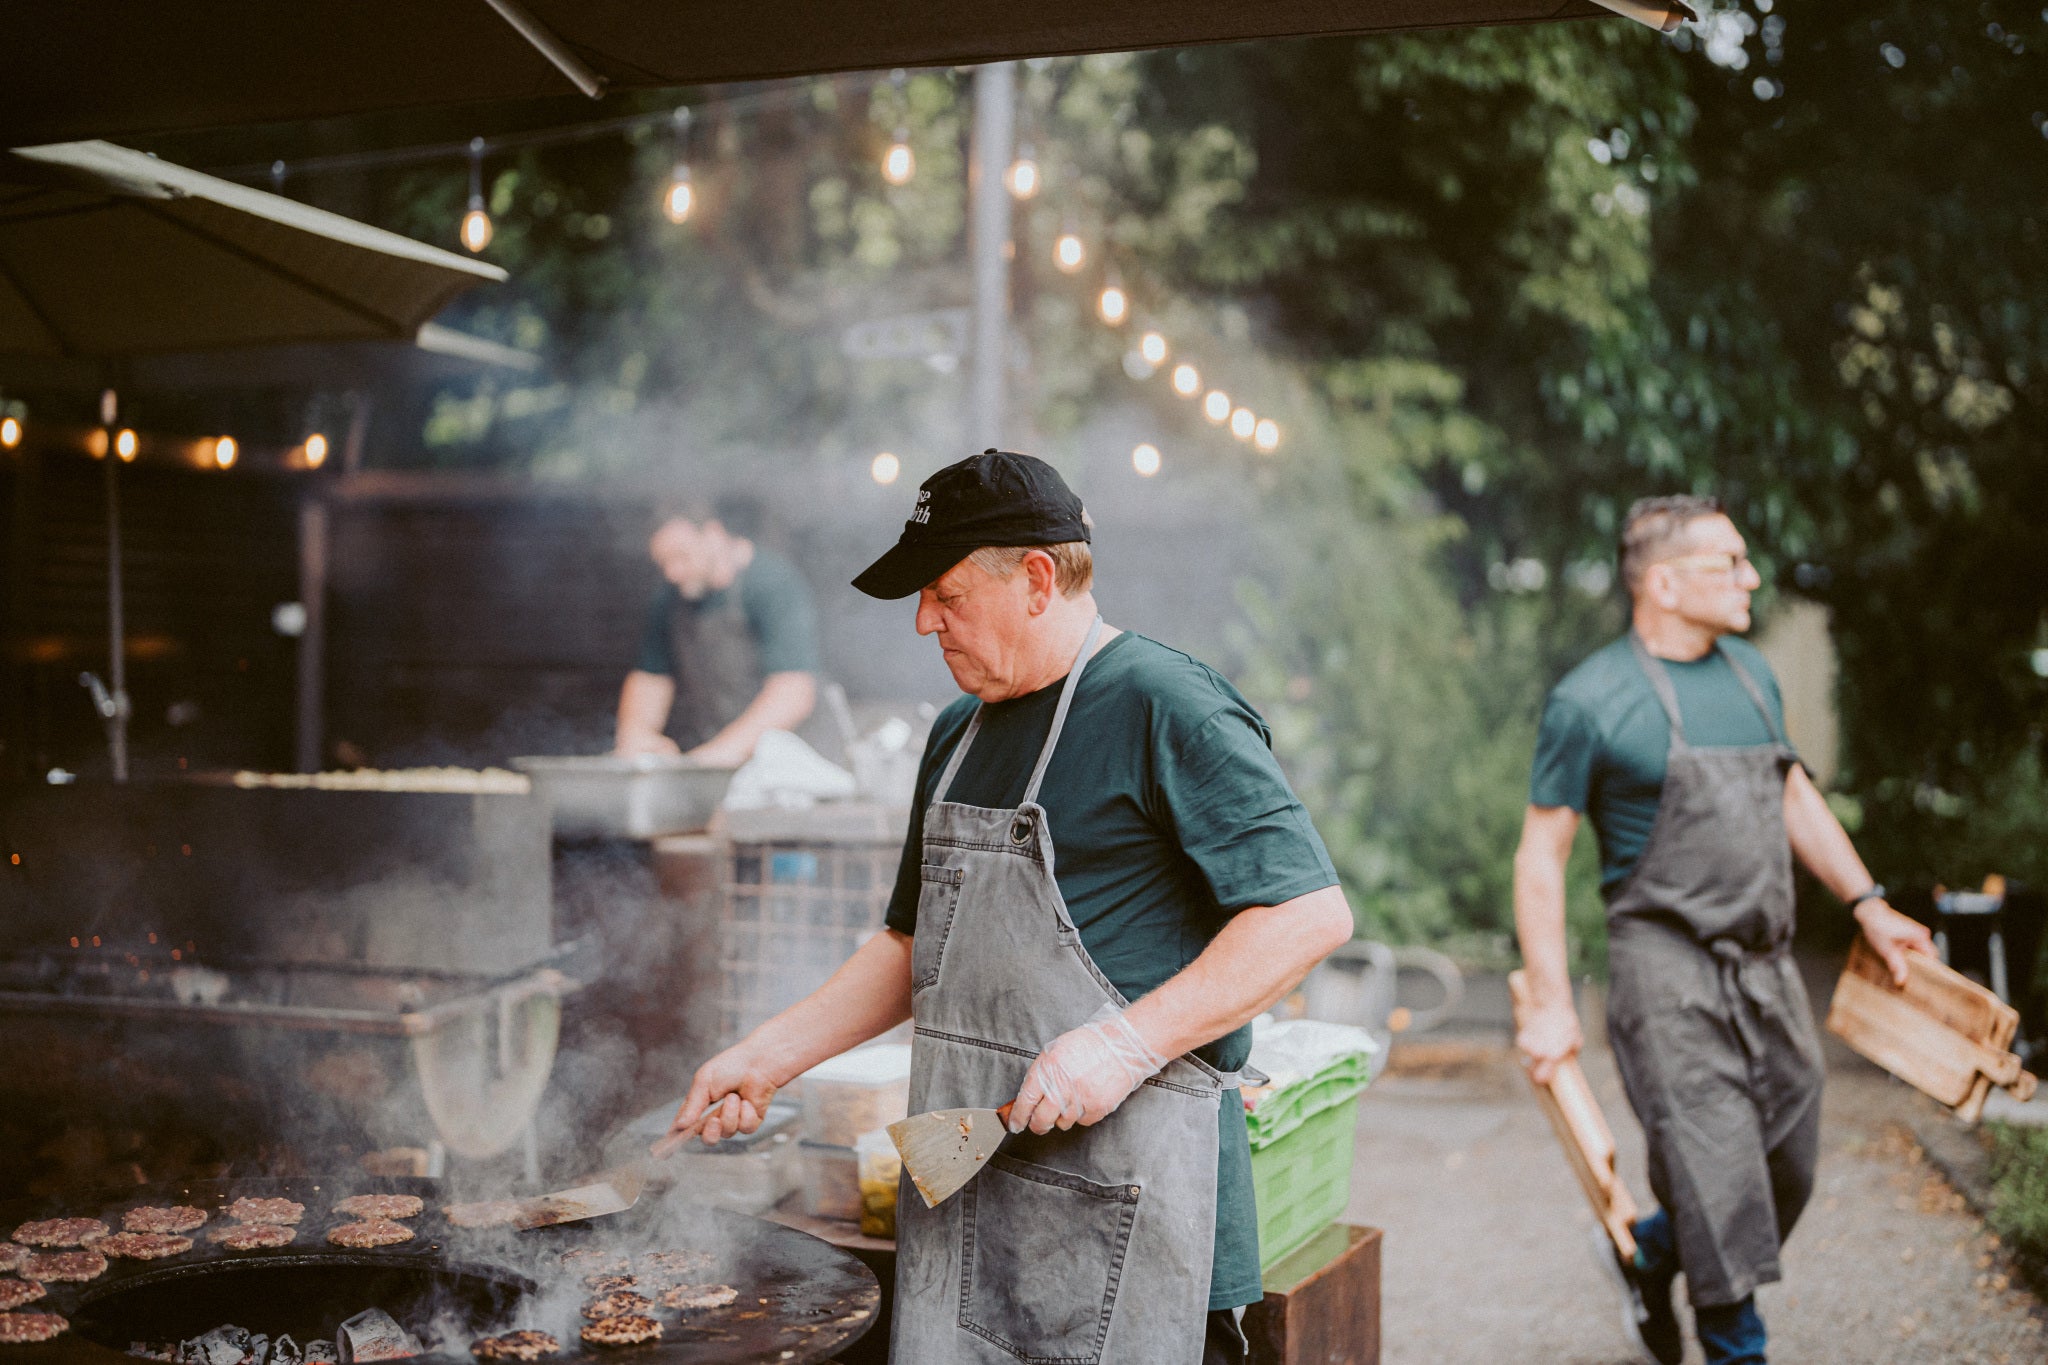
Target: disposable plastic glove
x,y
1084,1075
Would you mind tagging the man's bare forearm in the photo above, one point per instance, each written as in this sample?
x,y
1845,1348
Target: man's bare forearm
x,y
1261,955
783,703
1819,841
644,701
1540,924
867,996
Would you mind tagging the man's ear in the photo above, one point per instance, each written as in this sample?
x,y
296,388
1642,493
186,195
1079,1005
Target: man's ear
x,y
1043,575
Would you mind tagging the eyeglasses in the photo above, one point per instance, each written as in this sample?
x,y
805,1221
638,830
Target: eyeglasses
x,y
1730,564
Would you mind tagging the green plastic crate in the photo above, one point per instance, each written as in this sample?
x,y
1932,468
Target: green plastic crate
x,y
1302,1140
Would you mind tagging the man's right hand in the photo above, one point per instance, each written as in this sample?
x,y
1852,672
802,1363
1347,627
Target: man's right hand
x,y
1549,1037
634,743
730,1093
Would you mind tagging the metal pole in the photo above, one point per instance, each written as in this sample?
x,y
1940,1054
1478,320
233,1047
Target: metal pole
x,y
988,246
313,637
117,649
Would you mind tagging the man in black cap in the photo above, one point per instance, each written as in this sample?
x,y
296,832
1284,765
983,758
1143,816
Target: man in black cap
x,y
1105,991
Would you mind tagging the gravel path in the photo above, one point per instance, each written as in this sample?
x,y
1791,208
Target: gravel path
x,y
1488,1238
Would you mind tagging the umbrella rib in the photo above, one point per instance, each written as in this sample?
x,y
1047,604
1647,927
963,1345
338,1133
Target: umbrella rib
x,y
338,299
28,301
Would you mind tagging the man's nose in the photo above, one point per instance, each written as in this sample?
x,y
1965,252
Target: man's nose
x,y
927,617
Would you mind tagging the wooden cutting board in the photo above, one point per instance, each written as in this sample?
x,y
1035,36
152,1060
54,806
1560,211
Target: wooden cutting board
x,y
1942,1033
1587,1140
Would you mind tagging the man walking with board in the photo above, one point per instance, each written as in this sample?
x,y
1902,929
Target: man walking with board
x,y
1672,741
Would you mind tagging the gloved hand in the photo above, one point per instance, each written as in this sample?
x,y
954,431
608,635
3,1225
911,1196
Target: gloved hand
x,y
1084,1075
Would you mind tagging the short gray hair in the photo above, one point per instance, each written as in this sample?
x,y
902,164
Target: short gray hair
x,y
1653,523
1072,561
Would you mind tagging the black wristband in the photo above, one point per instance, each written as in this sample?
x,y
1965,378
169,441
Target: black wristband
x,y
1875,893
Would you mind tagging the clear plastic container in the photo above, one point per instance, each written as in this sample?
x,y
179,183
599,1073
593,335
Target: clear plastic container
x,y
881,1169
856,1092
831,1181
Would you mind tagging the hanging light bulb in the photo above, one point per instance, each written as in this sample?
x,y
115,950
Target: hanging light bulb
x,y
1216,407
10,433
1152,346
476,224
1114,305
885,468
1145,459
316,450
1267,436
1187,380
1243,423
899,163
1068,253
96,443
1023,178
225,452
681,196
126,444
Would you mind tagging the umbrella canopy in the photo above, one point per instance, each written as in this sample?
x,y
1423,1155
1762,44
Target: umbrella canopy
x,y
90,68
107,253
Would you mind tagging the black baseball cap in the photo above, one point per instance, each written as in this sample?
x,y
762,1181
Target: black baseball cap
x,y
994,498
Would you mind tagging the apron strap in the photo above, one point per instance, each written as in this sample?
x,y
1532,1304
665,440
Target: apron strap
x,y
1059,721
1756,694
1660,683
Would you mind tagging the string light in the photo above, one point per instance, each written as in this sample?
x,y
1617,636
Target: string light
x,y
225,452
10,433
126,444
316,450
96,443
885,468
1243,423
682,195
1267,436
899,163
1145,459
476,224
1152,346
1114,305
1216,407
1187,380
1068,253
1023,178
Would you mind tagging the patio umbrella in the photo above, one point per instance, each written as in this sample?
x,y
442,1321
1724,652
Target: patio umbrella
x,y
110,255
89,68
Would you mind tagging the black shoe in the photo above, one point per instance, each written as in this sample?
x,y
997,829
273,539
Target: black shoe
x,y
1647,1317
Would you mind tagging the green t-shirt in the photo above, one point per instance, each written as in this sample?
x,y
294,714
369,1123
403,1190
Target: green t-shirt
x,y
1168,815
1604,738
776,602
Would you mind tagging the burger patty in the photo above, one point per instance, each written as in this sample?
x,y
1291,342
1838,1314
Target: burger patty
x,y
521,1345
15,1293
626,1331
253,1236
591,1261
677,1265
699,1296
371,1232
486,1213
12,1254
272,1211
161,1218
61,1232
64,1267
617,1304
17,1329
143,1246
381,1206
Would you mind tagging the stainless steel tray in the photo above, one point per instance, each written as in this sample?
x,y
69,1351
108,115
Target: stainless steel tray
x,y
610,797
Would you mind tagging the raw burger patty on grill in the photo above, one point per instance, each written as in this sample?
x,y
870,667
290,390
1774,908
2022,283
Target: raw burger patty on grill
x,y
159,1218
611,1284
371,1232
687,1296
15,1293
591,1261
521,1345
12,1254
61,1232
64,1267
252,1236
626,1331
20,1328
143,1246
618,1304
247,1210
485,1213
381,1206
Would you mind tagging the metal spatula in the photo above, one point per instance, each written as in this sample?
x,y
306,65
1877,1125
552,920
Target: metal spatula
x,y
943,1149
607,1192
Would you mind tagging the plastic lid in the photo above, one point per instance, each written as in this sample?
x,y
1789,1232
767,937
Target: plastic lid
x,y
879,1064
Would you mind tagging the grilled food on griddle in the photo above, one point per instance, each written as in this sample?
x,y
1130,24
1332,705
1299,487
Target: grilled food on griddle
x,y
64,1267
18,1329
163,1218
521,1345
371,1232
61,1232
246,1210
626,1331
373,1206
253,1236
142,1246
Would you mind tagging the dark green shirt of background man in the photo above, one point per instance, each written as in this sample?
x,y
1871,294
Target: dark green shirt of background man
x,y
1672,741
729,650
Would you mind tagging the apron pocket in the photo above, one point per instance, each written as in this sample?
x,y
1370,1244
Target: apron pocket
x,y
1042,1252
937,897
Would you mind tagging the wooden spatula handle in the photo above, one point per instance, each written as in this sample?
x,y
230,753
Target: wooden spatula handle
x,y
1003,1113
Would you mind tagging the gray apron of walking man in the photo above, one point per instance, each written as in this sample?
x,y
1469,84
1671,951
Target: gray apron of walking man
x,y
1709,1021
1092,1244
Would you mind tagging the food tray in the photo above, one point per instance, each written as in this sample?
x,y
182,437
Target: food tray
x,y
1302,1139
612,797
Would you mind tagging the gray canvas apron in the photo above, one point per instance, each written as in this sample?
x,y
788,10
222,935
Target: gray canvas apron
x,y
1089,1245
716,666
1709,1021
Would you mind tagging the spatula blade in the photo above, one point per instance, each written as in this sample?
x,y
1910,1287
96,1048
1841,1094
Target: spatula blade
x,y
943,1149
607,1192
